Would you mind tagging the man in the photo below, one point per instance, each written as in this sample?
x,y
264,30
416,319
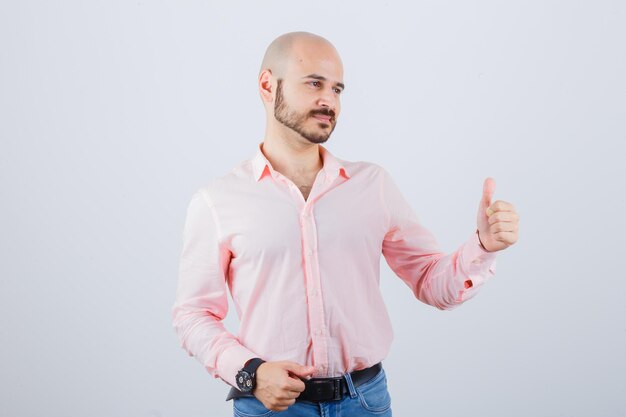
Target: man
x,y
296,234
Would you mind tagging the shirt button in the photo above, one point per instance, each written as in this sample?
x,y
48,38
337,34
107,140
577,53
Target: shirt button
x,y
309,252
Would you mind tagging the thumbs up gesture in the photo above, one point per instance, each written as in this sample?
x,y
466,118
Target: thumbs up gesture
x,y
497,222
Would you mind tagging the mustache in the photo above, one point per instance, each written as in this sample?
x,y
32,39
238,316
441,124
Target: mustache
x,y
324,111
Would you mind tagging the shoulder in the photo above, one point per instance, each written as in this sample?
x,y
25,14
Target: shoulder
x,y
364,169
235,180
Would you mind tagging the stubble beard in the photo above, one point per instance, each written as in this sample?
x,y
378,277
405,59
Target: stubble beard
x,y
295,121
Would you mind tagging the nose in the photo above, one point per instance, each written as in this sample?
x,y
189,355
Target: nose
x,y
328,98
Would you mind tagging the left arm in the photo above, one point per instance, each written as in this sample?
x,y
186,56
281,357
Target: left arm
x,y
442,280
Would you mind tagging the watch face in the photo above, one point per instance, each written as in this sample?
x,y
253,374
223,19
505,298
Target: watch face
x,y
244,381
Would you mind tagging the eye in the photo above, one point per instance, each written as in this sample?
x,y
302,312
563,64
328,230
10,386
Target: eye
x,y
315,83
338,90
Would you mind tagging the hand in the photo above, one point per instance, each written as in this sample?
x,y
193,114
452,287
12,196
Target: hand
x,y
278,384
497,222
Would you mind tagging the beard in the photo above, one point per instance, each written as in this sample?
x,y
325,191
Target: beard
x,y
296,121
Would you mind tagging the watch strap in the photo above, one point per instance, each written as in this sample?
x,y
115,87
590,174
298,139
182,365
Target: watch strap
x,y
252,365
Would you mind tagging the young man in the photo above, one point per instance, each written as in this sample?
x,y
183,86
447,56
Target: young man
x,y
296,234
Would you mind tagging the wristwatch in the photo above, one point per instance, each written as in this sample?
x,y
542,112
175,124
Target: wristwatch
x,y
246,377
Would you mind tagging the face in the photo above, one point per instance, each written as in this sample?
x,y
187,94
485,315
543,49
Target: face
x,y
307,99
315,125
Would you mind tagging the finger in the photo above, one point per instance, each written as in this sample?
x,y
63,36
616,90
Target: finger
x,y
503,216
295,385
500,205
502,227
489,186
299,370
506,237
287,395
290,402
284,404
292,383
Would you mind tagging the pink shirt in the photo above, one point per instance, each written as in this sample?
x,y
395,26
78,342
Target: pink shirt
x,y
304,275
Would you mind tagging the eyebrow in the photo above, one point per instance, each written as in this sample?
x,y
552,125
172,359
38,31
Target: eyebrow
x,y
321,78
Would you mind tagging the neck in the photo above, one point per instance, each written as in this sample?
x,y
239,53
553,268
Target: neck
x,y
292,156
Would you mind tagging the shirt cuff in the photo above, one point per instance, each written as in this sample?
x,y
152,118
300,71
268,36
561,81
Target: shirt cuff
x,y
477,263
474,250
231,361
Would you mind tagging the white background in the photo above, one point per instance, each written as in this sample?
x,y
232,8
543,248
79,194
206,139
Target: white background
x,y
112,113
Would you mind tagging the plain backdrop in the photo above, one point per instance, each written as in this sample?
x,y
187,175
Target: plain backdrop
x,y
112,113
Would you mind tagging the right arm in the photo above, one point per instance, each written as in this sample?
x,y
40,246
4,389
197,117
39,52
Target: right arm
x,y
202,303
201,299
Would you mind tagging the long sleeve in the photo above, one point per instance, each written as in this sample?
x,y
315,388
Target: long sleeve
x,y
201,299
442,280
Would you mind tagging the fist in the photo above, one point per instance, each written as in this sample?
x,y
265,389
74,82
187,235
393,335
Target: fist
x,y
497,222
278,384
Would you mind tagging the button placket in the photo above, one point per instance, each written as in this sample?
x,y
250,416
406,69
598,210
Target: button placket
x,y
316,307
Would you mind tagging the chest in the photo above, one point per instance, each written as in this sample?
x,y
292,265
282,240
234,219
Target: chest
x,y
303,183
276,222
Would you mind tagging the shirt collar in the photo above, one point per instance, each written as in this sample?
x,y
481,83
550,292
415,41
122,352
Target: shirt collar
x,y
331,165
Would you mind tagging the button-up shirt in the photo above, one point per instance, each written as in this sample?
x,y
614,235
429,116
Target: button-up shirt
x,y
304,274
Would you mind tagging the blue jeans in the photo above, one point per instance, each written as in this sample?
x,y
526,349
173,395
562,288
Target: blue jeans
x,y
369,399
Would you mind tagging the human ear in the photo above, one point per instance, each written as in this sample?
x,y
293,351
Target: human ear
x,y
266,87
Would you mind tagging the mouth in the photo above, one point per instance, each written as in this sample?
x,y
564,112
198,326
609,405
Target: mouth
x,y
323,118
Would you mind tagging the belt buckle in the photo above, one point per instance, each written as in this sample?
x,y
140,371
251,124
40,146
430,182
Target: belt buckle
x,y
326,389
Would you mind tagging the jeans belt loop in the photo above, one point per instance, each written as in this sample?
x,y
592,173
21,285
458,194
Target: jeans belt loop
x,y
350,385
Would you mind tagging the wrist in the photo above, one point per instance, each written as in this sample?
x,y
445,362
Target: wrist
x,y
246,377
480,241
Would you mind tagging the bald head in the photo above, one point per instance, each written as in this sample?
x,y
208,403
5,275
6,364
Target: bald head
x,y
289,46
300,80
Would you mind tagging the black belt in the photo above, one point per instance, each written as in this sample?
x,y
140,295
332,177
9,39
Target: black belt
x,y
324,389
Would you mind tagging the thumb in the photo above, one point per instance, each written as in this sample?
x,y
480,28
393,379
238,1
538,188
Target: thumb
x,y
299,370
489,186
